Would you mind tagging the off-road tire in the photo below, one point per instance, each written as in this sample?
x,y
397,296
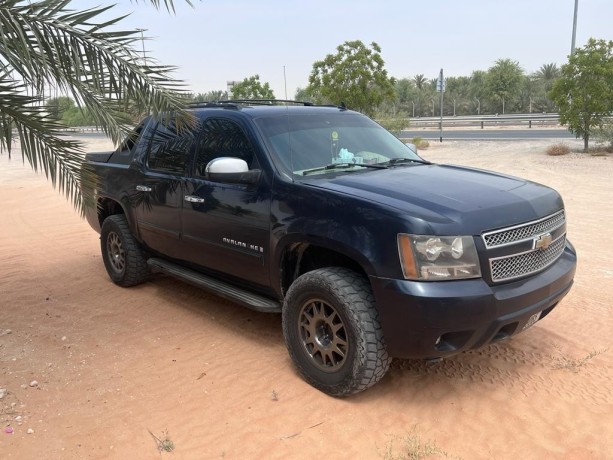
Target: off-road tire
x,y
332,331
124,259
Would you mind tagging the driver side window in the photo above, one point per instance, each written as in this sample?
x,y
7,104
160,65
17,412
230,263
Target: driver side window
x,y
222,137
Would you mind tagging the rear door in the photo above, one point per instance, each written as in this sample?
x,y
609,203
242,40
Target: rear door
x,y
227,226
158,192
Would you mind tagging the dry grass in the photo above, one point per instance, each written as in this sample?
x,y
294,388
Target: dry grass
x,y
558,149
163,443
574,365
412,447
420,143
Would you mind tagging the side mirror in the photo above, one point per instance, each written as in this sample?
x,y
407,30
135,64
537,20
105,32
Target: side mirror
x,y
231,170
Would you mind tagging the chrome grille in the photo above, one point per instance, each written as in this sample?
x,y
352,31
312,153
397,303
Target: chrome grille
x,y
517,265
524,232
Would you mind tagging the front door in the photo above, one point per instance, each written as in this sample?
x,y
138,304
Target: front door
x,y
227,226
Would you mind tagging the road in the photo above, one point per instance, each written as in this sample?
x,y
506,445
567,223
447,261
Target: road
x,y
490,134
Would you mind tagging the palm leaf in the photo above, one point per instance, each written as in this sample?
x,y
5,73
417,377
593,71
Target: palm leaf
x,y
46,43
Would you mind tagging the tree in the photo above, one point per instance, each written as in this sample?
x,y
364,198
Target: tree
x,y
66,111
47,43
355,76
252,88
503,81
584,92
303,95
58,106
210,96
420,81
548,74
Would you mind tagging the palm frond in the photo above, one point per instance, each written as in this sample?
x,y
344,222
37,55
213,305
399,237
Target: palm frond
x,y
46,43
42,141
168,4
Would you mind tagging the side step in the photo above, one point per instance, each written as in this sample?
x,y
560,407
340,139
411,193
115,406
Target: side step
x,y
248,299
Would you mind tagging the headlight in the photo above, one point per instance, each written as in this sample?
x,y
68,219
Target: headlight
x,y
436,258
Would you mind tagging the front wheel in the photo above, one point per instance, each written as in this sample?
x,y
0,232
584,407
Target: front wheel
x,y
123,257
332,331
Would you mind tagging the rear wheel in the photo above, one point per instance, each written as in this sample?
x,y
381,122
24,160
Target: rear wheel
x,y
123,257
332,331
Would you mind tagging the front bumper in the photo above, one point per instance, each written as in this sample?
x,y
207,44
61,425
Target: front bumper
x,y
439,319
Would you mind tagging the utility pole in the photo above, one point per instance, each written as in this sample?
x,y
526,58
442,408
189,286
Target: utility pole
x,y
440,87
572,45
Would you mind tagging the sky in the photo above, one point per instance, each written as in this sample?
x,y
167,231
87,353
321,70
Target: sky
x,y
221,40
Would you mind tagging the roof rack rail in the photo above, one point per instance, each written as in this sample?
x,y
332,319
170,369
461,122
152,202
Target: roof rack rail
x,y
235,102
202,104
268,102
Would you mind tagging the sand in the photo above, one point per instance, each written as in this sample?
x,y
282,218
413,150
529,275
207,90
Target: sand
x,y
115,368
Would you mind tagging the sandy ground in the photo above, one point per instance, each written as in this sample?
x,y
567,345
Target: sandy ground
x,y
115,367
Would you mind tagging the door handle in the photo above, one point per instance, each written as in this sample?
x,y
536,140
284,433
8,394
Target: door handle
x,y
143,188
193,199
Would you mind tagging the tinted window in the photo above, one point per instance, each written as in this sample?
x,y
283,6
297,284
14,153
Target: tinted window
x,y
169,150
223,138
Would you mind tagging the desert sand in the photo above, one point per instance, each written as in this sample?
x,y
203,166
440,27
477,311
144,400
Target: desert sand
x,y
95,371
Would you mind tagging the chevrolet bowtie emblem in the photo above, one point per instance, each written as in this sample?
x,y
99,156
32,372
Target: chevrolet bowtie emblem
x,y
543,241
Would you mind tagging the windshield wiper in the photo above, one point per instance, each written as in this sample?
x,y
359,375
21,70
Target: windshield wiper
x,y
342,165
395,161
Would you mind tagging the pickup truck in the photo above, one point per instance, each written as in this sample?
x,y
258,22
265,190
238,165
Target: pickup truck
x,y
367,250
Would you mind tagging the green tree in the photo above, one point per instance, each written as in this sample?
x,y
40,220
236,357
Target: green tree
x,y
66,111
420,81
478,92
548,74
303,95
49,43
57,106
355,76
252,88
503,82
210,96
584,92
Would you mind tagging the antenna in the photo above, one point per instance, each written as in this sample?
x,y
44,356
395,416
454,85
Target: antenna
x,y
285,82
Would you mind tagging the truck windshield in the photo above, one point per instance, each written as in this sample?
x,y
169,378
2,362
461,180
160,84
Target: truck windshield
x,y
313,143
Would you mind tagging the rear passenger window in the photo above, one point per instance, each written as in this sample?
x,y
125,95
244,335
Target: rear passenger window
x,y
168,150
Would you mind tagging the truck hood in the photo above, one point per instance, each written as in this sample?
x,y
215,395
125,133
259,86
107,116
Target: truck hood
x,y
445,198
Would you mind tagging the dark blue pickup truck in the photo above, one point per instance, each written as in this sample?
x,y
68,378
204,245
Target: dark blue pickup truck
x,y
367,250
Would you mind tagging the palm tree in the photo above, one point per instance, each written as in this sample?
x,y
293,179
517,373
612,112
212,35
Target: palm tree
x,y
46,43
420,81
547,74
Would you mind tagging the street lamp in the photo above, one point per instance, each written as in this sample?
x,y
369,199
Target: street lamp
x,y
572,44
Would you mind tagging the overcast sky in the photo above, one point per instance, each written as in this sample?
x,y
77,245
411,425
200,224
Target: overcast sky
x,y
221,40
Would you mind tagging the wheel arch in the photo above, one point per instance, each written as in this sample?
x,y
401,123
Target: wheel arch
x,y
107,206
301,256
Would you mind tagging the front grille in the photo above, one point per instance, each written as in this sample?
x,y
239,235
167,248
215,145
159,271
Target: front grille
x,y
524,232
518,265
518,250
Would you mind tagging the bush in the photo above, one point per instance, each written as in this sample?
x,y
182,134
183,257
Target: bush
x,y
558,149
420,143
604,137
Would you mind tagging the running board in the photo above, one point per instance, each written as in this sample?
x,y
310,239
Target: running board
x,y
227,291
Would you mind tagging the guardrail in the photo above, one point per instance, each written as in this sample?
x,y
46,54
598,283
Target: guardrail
x,y
82,129
529,119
